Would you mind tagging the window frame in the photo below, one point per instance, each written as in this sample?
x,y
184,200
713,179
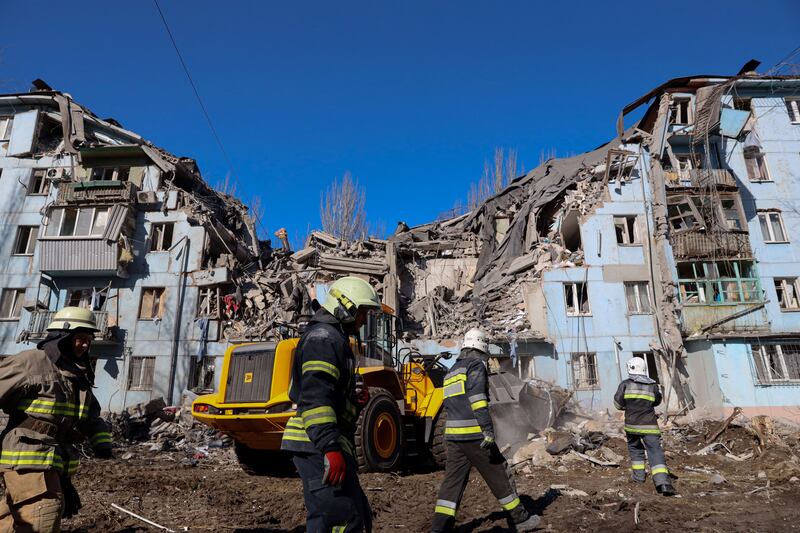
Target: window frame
x,y
573,288
625,222
33,233
760,165
770,239
5,132
675,105
793,109
157,236
158,314
785,283
637,291
16,303
144,373
708,284
763,370
62,218
583,365
45,183
215,295
115,173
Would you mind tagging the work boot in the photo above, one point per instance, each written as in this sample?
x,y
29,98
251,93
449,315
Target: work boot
x,y
530,524
666,489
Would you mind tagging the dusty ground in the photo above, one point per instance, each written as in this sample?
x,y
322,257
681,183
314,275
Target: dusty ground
x,y
216,496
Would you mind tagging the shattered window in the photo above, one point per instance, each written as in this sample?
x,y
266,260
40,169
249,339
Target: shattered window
x,y
202,373
74,222
161,239
788,290
5,128
743,104
719,282
208,302
756,165
626,229
152,304
26,240
577,299
680,111
584,370
11,303
39,183
92,298
140,373
109,173
776,363
682,214
637,297
772,228
730,212
792,106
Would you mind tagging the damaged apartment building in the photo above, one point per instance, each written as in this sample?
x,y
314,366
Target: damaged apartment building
x,y
96,216
673,243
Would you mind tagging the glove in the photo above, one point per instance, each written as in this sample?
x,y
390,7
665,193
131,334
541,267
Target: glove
x,y
334,468
488,443
72,501
362,392
104,453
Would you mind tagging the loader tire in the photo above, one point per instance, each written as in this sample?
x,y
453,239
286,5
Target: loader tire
x,y
379,433
438,444
272,463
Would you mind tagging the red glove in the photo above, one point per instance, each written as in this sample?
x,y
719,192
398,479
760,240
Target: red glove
x,y
334,468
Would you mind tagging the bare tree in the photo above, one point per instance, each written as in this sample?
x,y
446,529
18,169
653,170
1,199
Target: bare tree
x,y
497,174
342,211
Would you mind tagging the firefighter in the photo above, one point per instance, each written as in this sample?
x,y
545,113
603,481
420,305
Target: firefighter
x,y
324,387
470,438
638,396
47,394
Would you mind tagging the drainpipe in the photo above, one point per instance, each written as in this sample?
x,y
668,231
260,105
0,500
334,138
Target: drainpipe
x,y
176,330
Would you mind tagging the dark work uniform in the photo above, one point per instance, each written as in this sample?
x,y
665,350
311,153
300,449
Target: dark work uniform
x,y
638,396
468,422
323,387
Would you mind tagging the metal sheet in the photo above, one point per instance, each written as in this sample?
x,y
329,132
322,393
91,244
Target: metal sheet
x,y
116,218
78,255
250,374
22,131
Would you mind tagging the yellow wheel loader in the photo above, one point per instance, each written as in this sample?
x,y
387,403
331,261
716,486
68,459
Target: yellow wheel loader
x,y
403,418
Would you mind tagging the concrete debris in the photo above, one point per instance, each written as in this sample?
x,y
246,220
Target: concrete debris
x,y
717,479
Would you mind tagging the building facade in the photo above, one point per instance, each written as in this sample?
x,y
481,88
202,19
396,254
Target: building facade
x,y
94,215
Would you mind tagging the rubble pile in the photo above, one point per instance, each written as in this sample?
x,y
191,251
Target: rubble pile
x,y
473,268
271,301
159,428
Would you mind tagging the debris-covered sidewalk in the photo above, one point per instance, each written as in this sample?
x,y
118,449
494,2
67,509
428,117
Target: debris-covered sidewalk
x,y
737,475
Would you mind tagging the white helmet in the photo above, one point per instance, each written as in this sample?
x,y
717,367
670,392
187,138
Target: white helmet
x,y
477,339
636,365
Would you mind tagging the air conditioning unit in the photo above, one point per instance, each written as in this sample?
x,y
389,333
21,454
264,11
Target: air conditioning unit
x,y
58,174
147,198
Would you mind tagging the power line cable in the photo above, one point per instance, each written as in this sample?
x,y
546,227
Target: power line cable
x,y
207,116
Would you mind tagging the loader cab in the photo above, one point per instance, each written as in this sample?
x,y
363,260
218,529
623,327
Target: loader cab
x,y
378,338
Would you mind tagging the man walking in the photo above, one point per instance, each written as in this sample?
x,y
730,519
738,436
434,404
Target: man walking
x,y
638,396
47,394
320,436
470,439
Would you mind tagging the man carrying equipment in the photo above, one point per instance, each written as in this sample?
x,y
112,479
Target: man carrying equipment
x,y
325,389
470,439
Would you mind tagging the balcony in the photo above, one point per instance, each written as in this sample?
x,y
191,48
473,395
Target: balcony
x,y
41,319
699,178
695,244
76,256
737,318
96,192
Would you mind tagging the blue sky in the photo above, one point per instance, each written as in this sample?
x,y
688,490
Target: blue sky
x,y
411,97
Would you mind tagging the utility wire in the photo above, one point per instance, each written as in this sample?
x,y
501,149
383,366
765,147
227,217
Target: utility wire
x,y
228,160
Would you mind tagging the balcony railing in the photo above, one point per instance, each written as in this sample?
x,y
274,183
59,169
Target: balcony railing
x,y
93,192
738,318
75,256
716,244
699,178
41,319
